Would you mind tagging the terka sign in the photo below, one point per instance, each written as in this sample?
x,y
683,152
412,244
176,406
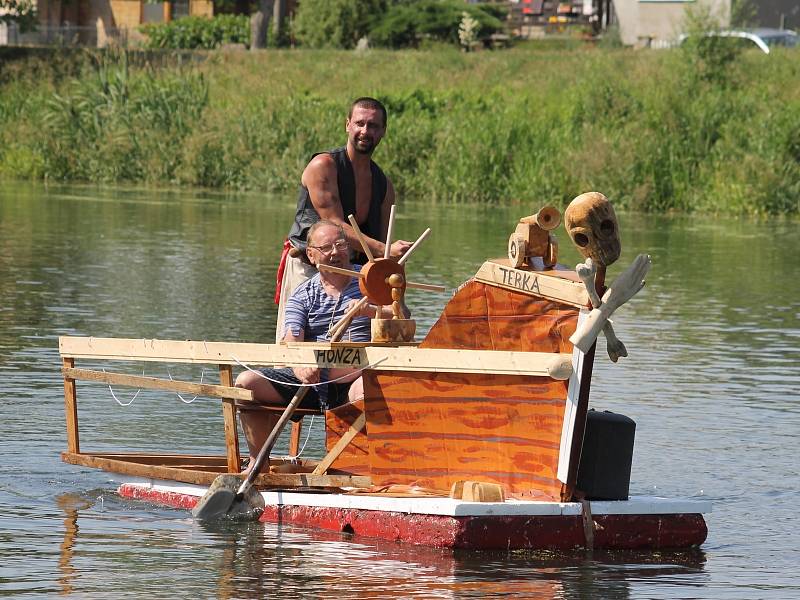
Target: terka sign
x,y
553,285
521,280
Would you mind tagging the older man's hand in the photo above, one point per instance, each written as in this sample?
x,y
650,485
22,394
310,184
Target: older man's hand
x,y
307,374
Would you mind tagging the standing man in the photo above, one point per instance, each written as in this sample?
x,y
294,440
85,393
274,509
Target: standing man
x,y
335,184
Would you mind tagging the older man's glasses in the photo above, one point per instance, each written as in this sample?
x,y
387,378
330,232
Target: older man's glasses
x,y
340,245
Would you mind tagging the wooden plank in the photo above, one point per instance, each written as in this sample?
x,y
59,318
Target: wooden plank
x,y
294,439
229,420
271,480
165,459
331,456
154,383
71,408
543,284
443,360
570,412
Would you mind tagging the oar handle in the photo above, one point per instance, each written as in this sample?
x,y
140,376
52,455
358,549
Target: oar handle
x,y
263,455
341,326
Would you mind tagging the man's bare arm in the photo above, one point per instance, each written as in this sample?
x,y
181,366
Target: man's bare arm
x,y
320,178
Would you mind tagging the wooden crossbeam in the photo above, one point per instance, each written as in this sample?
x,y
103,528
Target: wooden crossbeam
x,y
206,477
343,442
502,362
154,383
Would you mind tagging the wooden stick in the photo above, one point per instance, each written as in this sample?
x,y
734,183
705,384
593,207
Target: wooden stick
x,y
414,246
154,383
339,270
361,239
343,323
233,460
428,287
294,439
343,442
389,232
71,408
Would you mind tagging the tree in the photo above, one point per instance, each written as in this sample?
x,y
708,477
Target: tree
x,y
259,24
21,12
336,23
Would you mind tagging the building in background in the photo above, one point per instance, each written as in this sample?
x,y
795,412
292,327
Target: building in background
x,y
99,22
658,23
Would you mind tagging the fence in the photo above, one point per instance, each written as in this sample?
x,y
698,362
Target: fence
x,y
64,36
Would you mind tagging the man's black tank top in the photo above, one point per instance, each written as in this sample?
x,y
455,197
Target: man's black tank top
x,y
306,214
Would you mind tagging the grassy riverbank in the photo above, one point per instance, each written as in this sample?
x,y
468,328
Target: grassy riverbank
x,y
654,131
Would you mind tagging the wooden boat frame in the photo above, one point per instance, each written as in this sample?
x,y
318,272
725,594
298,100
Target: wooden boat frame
x,y
382,363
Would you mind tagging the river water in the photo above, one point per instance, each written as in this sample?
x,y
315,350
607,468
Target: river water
x,y
712,382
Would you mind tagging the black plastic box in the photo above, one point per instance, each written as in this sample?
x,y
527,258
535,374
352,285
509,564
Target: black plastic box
x,y
604,472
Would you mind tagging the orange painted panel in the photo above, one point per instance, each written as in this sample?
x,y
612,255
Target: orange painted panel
x,y
435,429
485,317
354,459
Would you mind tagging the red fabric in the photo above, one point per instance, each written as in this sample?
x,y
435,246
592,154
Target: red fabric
x,y
281,270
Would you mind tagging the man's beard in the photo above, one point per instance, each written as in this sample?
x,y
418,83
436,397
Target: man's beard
x,y
364,146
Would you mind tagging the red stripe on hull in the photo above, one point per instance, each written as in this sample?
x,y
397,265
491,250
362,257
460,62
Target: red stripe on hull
x,y
474,532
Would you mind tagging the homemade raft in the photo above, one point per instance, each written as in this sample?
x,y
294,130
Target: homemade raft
x,y
470,438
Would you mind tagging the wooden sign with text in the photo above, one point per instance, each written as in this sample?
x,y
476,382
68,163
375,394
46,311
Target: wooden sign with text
x,y
553,285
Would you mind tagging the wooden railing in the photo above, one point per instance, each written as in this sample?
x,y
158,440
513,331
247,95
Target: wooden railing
x,y
224,355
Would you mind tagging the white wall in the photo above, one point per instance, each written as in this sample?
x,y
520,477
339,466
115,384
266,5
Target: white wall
x,y
658,22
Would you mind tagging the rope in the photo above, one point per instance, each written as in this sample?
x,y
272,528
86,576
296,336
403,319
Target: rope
x,y
299,385
203,372
303,447
125,405
113,395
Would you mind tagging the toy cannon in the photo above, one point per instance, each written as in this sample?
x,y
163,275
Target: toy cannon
x,y
532,238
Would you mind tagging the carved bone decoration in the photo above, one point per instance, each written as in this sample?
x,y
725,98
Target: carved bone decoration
x,y
624,287
615,348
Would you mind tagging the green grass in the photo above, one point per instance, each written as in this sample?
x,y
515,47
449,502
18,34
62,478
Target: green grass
x,y
656,131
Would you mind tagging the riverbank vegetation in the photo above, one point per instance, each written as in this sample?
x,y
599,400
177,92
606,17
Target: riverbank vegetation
x,y
655,130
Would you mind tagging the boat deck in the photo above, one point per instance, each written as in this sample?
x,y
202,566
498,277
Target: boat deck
x,y
640,522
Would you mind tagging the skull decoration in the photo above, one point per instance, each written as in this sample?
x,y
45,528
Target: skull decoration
x,y
592,225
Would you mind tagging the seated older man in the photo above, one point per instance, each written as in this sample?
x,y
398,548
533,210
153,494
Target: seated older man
x,y
312,310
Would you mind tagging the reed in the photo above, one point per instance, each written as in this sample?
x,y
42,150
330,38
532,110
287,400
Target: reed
x,y
529,125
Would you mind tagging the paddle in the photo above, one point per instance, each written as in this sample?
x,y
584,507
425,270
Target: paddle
x,y
228,495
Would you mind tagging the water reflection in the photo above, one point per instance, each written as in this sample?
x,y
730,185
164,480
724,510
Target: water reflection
x,y
71,504
264,560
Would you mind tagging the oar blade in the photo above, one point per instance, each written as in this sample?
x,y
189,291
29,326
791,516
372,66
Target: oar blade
x,y
220,501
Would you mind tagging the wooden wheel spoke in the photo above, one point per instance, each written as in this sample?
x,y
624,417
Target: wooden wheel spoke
x,y
360,236
339,270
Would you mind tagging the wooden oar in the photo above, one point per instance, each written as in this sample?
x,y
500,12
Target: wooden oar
x,y
221,500
228,496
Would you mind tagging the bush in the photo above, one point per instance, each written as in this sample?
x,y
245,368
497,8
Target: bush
x,y
118,124
407,23
198,32
336,23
